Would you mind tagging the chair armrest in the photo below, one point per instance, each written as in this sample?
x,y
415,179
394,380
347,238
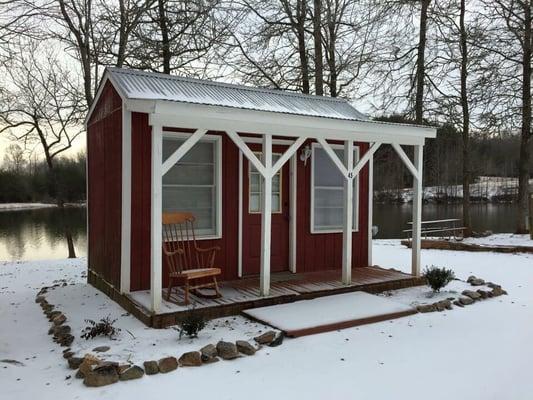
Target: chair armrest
x,y
171,253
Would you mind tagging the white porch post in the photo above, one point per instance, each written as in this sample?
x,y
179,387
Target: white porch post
x,y
417,209
370,206
348,215
266,217
156,226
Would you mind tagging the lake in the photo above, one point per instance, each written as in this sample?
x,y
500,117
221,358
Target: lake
x,y
37,234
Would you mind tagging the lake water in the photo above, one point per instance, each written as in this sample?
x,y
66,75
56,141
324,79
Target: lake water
x,y
37,234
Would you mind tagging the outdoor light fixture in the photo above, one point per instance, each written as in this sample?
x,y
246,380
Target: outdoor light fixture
x,y
305,154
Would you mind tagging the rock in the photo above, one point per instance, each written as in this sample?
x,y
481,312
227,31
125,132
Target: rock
x,y
227,350
59,319
65,340
167,364
151,367
40,299
68,355
465,301
101,376
443,305
278,340
133,372
470,293
74,362
209,351
477,282
497,291
493,285
61,330
458,303
471,278
266,338
87,365
191,359
245,347
101,349
483,293
425,308
52,314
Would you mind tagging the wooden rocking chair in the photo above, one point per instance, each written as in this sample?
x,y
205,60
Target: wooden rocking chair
x,y
186,261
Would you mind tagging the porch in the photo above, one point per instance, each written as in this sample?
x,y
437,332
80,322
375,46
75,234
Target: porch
x,y
286,287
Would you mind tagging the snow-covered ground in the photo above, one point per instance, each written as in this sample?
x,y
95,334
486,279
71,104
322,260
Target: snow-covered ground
x,y
502,239
24,206
480,352
488,188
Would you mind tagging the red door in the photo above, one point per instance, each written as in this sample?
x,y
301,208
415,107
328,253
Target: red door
x,y
251,221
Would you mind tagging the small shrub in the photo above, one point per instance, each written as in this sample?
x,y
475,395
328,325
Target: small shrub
x,y
437,278
103,328
192,325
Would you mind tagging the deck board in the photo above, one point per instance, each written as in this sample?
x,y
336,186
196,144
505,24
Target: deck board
x,y
285,287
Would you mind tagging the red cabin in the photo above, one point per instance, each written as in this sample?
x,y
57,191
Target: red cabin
x,y
278,180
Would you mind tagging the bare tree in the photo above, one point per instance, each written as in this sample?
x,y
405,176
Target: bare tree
x,y
317,38
509,25
14,158
41,108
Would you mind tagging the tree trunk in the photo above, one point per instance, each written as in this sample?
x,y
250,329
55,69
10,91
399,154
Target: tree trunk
x,y
122,36
467,221
420,63
523,165
165,43
301,12
332,62
317,36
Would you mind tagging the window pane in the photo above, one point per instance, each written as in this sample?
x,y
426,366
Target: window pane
x,y
255,202
199,201
275,183
326,172
201,152
276,203
190,174
329,197
328,218
255,183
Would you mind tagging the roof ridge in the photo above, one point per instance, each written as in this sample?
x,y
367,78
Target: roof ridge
x,y
228,85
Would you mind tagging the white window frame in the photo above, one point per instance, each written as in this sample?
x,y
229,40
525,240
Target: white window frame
x,y
217,139
355,228
259,155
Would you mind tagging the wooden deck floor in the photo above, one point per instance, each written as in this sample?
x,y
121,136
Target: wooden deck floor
x,y
285,287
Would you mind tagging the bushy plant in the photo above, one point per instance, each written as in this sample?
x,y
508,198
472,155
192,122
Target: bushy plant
x,y
437,278
192,324
102,328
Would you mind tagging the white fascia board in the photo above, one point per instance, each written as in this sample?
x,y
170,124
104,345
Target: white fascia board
x,y
188,115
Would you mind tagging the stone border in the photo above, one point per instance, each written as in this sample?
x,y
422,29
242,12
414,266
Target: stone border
x,y
467,296
97,372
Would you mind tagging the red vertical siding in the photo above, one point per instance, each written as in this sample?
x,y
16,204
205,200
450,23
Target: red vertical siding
x,y
104,161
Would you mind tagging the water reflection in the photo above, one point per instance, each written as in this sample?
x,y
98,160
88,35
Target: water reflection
x,y
392,219
38,234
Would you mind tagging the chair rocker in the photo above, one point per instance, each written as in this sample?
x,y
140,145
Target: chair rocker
x,y
188,264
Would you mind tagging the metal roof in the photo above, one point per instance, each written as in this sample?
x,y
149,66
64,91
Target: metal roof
x,y
155,86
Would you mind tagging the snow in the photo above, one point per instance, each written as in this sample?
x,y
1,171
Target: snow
x,y
325,311
24,206
504,239
481,351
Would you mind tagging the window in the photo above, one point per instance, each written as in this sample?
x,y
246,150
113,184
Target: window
x,y
255,187
327,191
194,183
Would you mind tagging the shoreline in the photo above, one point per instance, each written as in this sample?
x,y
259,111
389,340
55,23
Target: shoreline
x,y
5,207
